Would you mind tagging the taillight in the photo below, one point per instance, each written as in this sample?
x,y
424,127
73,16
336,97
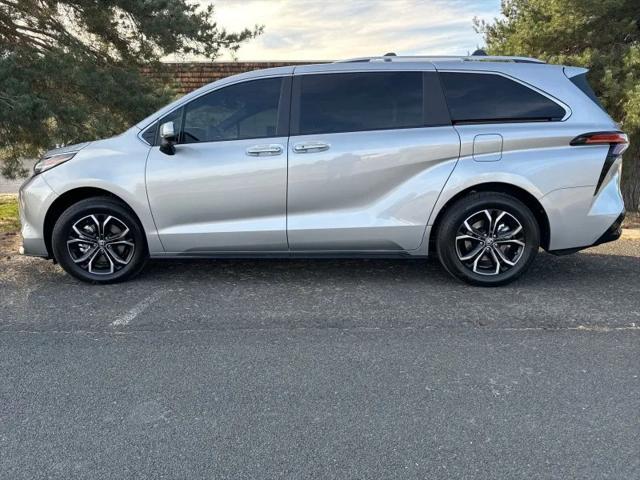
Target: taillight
x,y
618,142
603,138
618,149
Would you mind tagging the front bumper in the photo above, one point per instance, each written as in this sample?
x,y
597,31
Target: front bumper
x,y
34,199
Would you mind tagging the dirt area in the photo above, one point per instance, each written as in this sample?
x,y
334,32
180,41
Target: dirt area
x,y
9,243
632,220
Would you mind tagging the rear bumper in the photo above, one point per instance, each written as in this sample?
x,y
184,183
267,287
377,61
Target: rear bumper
x,y
613,233
580,218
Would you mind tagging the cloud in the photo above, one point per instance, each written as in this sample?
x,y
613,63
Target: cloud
x,y
334,29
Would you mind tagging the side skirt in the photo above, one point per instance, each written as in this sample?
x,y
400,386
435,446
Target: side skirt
x,y
289,255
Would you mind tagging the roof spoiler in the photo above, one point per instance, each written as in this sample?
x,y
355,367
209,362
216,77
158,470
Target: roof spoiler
x,y
571,72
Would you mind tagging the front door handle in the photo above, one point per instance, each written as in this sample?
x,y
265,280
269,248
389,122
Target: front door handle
x,y
264,150
310,147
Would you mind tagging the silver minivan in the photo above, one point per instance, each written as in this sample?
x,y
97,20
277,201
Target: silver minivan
x,y
480,160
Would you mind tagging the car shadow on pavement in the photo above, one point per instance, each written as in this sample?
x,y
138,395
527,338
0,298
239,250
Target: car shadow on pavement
x,y
579,268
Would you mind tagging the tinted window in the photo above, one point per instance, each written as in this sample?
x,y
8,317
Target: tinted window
x,y
493,98
244,110
149,134
348,102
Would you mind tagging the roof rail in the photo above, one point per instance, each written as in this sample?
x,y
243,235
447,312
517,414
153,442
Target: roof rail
x,y
428,58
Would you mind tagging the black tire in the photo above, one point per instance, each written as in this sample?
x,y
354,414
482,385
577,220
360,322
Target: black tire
x,y
501,258
116,248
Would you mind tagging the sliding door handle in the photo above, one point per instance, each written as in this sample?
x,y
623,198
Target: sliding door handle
x,y
264,150
310,147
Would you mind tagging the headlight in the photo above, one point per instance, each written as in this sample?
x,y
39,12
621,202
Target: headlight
x,y
52,161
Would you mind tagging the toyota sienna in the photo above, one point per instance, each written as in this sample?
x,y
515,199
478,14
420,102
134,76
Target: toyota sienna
x,y
478,160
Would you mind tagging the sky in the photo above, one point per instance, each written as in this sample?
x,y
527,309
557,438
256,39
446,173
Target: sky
x,y
339,29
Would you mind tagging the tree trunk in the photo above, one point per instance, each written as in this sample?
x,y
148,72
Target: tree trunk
x,y
631,177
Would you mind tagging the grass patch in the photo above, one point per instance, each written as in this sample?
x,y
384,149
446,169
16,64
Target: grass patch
x,y
9,221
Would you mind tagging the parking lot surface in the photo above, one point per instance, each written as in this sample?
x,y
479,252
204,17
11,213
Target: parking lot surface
x,y
322,369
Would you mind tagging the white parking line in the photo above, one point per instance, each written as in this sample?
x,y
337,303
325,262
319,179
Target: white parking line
x,y
140,307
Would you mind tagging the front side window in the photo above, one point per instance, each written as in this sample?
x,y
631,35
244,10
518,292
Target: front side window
x,y
481,97
241,111
150,134
351,102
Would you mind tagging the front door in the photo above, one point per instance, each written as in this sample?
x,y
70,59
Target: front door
x,y
369,154
225,188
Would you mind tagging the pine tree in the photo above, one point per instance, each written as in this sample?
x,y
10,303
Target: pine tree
x,y
70,70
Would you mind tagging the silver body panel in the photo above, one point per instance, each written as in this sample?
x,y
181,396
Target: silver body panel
x,y
212,197
370,190
116,166
368,193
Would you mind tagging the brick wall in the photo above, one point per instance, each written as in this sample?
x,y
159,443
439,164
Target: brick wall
x,y
186,77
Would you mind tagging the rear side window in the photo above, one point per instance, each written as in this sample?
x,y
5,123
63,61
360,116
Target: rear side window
x,y
486,98
352,102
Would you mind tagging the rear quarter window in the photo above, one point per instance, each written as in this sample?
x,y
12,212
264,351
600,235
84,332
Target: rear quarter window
x,y
491,98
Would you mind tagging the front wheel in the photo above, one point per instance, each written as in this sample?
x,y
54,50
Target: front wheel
x,y
99,240
488,239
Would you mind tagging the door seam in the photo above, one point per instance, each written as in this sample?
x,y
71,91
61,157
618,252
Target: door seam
x,y
146,192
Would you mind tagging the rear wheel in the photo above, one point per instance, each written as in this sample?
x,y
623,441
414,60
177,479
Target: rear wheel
x,y
488,239
99,240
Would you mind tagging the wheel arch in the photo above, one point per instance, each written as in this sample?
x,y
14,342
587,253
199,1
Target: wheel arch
x,y
71,197
517,192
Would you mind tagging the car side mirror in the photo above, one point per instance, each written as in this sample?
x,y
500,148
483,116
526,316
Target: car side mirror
x,y
168,138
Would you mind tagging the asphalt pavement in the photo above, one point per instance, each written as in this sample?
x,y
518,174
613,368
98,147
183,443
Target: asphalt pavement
x,y
328,369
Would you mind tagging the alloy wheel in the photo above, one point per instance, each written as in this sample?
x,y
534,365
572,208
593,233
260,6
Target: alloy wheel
x,y
101,244
490,242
